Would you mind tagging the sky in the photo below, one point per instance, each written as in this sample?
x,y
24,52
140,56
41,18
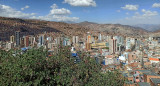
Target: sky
x,y
128,12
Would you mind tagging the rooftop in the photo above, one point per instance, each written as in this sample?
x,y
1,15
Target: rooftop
x,y
144,71
151,73
143,84
155,80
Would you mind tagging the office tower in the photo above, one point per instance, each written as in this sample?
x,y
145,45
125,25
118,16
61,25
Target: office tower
x,y
41,40
59,40
26,41
32,40
17,38
112,46
89,40
12,39
137,44
75,39
100,37
22,42
128,43
9,45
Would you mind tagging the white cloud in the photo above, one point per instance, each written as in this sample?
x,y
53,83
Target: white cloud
x,y
145,17
55,14
56,11
130,7
7,11
58,18
58,15
84,3
156,5
148,13
26,7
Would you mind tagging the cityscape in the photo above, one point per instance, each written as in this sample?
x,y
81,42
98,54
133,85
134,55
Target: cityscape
x,y
37,51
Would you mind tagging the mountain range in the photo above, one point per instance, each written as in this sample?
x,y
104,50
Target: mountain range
x,y
149,27
8,26
114,29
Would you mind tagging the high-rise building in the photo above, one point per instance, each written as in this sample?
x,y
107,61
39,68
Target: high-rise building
x,y
100,37
22,42
26,41
32,40
9,45
75,39
59,40
112,46
41,40
128,43
17,38
12,39
89,40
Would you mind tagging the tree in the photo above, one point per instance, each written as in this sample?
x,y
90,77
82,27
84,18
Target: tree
x,y
34,68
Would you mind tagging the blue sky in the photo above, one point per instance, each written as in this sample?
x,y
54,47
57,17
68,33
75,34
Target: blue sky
x,y
127,12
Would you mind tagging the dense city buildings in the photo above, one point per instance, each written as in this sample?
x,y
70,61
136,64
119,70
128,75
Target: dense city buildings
x,y
137,59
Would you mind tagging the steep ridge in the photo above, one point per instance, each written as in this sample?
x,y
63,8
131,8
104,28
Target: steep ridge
x,y
8,26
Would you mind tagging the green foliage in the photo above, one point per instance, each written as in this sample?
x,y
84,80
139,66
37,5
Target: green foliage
x,y
33,68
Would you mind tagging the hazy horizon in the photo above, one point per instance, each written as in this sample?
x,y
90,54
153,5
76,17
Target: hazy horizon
x,y
126,12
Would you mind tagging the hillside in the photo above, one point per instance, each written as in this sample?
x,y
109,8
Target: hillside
x,y
32,27
8,26
149,27
115,29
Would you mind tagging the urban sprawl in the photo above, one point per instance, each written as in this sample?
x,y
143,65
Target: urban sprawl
x,y
138,59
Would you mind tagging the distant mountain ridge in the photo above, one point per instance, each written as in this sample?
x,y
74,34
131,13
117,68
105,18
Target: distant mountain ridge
x,y
8,26
114,28
149,27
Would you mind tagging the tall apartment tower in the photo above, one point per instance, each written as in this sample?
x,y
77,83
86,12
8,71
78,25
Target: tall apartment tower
x,y
12,39
17,38
22,42
32,40
100,37
75,39
89,39
26,41
41,40
112,46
